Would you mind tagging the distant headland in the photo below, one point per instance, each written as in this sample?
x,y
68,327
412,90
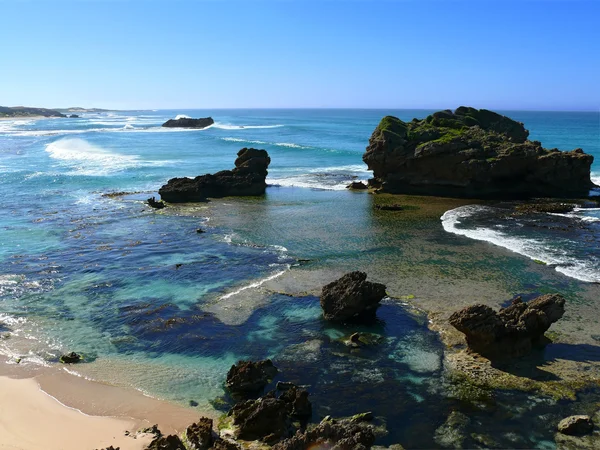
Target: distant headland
x,y
25,111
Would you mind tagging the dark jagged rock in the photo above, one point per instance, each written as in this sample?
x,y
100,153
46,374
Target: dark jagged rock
x,y
351,298
186,122
299,405
73,116
247,377
247,179
70,358
357,186
170,442
513,330
330,433
471,153
153,203
266,418
576,425
199,435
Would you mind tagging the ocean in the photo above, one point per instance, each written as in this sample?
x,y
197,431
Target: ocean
x,y
86,266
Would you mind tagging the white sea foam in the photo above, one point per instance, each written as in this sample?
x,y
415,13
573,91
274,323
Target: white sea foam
x,y
91,160
181,116
226,126
303,182
277,144
535,249
254,285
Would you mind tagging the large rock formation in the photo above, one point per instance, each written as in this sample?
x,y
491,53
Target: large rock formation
x,y
471,153
345,434
248,178
513,330
248,377
266,418
187,122
351,297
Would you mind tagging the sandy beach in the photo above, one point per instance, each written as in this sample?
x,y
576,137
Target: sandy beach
x,y
51,409
28,118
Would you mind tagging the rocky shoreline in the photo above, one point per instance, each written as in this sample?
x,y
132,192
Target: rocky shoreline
x,y
280,418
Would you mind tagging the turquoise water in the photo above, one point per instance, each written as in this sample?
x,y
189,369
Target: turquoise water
x,y
156,306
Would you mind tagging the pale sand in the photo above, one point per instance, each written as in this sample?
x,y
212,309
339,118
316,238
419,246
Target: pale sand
x,y
29,118
58,411
30,419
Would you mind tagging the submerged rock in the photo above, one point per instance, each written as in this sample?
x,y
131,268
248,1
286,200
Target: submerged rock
x,y
187,122
71,358
576,425
351,298
471,153
330,433
247,179
513,330
452,433
248,377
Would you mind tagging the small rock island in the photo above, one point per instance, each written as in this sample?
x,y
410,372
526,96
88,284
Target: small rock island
x,y
471,153
187,122
248,178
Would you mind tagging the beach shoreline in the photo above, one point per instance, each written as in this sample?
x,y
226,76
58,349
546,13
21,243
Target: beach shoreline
x,y
48,408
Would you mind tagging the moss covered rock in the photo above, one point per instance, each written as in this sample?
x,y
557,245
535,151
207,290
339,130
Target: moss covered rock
x,y
472,153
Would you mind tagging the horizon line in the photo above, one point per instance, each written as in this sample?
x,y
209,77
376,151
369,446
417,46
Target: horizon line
x,y
325,108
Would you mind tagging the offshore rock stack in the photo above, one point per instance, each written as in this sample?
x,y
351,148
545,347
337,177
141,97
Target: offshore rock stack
x,y
471,153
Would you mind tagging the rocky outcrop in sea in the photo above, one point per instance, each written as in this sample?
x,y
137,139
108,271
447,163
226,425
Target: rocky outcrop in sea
x,y
351,297
187,122
246,179
471,153
512,331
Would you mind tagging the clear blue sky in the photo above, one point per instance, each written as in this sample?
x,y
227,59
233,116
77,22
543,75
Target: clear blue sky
x,y
300,53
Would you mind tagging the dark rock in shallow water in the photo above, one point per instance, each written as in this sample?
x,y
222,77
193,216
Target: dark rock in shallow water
x,y
472,153
186,122
247,179
330,433
73,116
153,203
199,435
299,405
394,207
247,377
265,418
351,298
513,330
70,358
576,425
357,186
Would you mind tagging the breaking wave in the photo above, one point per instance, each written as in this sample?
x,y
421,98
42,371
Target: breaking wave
x,y
91,160
566,254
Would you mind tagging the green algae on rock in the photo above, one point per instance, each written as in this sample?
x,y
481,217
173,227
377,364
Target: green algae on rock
x,y
471,153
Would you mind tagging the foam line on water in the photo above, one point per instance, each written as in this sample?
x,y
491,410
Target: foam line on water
x,y
534,249
91,160
277,144
256,284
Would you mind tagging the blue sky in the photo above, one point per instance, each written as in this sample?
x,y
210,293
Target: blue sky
x,y
300,53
